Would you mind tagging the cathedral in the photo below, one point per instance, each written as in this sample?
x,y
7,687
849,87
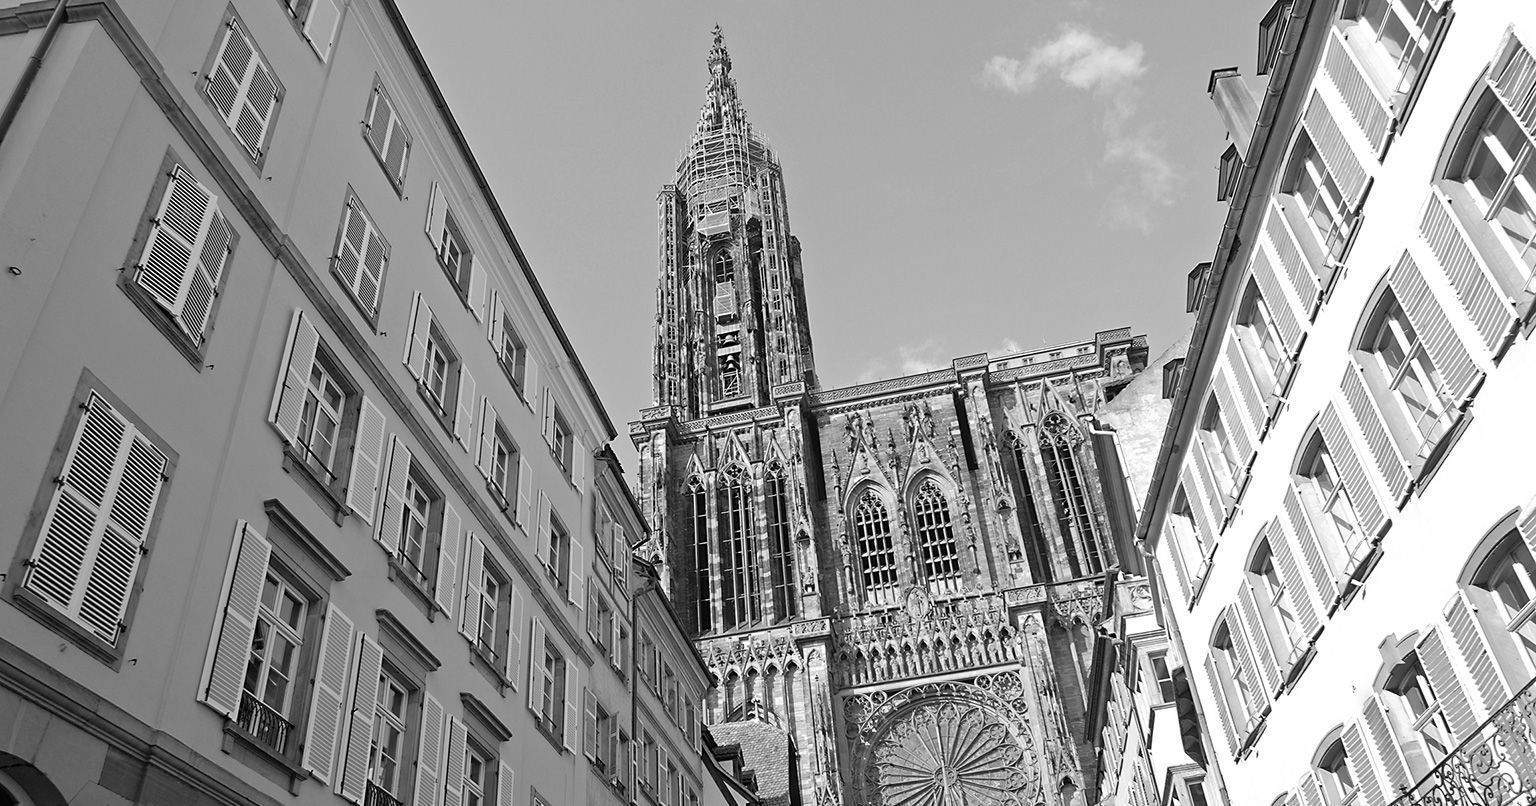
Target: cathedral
x,y
896,585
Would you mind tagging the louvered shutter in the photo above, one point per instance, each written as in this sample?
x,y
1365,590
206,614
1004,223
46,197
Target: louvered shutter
x,y
1296,591
231,70
320,30
1393,764
576,584
536,669
1338,155
524,493
477,288
1318,567
293,376
1308,790
1180,569
376,121
185,254
230,647
493,324
514,635
1245,647
1281,305
375,263
506,791
549,416
398,154
543,526
464,419
1476,654
328,701
1370,111
361,255
589,724
394,495
1362,494
92,536
1447,686
572,706
365,695
580,458
453,773
1446,350
1513,78
367,458
1199,504
1215,498
260,103
449,543
474,587
1245,386
1293,261
1385,455
429,752
1481,298
416,341
437,218
484,454
1367,782
1218,698
1258,635
531,380
1240,429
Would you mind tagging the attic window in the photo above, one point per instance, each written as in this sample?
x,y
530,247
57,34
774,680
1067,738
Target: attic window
x,y
1171,372
1271,33
1194,287
1227,173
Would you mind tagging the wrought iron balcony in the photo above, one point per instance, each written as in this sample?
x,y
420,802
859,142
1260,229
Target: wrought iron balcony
x,y
379,796
1494,767
264,724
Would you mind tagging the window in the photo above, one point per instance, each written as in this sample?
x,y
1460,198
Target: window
x,y
1400,33
361,257
266,703
702,594
1419,712
781,556
936,537
387,752
1329,508
1236,689
1322,203
512,352
1401,372
739,601
1219,449
317,21
387,136
417,516
81,565
600,620
1501,176
877,554
557,559
242,88
1036,550
493,592
477,776
178,263
1079,529
440,363
453,253
441,379
551,694
499,458
320,419
561,440
503,460
1162,675
1261,341
1335,775
601,737
649,756
1504,587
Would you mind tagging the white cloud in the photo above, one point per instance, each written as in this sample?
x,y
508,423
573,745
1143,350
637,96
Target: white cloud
x,y
1084,60
924,356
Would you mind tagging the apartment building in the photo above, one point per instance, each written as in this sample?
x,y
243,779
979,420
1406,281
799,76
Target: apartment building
x,y
1341,519
306,495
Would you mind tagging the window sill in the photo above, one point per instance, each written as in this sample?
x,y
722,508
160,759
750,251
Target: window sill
x,y
371,317
491,664
517,386
1428,469
195,353
407,579
1252,734
438,411
453,280
270,764
34,605
397,183
542,727
293,464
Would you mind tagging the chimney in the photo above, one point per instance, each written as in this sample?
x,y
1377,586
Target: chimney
x,y
1235,105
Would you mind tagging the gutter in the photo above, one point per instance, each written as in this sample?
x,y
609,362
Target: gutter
x,y
29,73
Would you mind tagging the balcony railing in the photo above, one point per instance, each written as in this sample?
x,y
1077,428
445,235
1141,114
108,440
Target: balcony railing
x,y
379,796
264,724
1494,767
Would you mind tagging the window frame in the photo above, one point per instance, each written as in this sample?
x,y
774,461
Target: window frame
x,y
459,270
377,94
352,204
406,722
233,22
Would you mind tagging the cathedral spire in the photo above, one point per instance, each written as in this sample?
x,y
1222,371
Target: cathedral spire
x,y
719,57
722,107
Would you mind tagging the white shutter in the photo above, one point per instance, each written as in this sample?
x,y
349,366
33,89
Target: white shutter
x,y
1308,789
506,792
1218,698
1296,590
477,288
394,495
361,255
524,493
493,319
448,545
1370,111
549,416
535,665
1445,683
1279,301
1367,783
474,576
416,340
532,372
365,695
330,695
429,752
1246,386
370,282
581,456
1476,655
1481,298
453,774
541,543
1258,634
1513,79
437,218
1244,646
1446,350
572,706
376,120
1338,155
230,648
92,536
293,376
1393,764
1293,261
1385,454
589,724
514,635
166,265
251,123
1318,568
367,458
227,80
484,456
576,582
320,30
1362,493
464,419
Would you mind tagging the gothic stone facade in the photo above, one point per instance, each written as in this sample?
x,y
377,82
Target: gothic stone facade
x,y
880,569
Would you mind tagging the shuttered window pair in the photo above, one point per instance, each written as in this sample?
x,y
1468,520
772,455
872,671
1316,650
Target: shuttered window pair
x,y
508,343
318,21
465,269
569,449
441,375
421,528
182,265
362,257
1335,504
1190,542
498,457
564,559
554,688
387,135
319,413
84,565
243,88
492,612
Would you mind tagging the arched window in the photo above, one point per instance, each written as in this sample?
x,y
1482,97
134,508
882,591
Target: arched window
x,y
1502,590
1394,37
1335,773
739,603
877,553
1036,550
1278,618
936,537
1074,515
724,269
1418,716
1322,207
1498,172
1185,543
1330,510
1237,689
1220,451
1402,377
698,504
780,548
1261,340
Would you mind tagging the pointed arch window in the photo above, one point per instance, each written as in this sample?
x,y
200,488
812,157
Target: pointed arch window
x,y
1074,515
877,554
738,552
1033,534
699,519
780,549
936,537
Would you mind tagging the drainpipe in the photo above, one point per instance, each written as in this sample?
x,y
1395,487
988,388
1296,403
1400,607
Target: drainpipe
x,y
29,73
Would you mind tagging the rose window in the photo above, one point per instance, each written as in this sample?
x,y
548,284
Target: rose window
x,y
949,754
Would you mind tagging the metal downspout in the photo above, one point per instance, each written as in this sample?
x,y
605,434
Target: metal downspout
x,y
29,73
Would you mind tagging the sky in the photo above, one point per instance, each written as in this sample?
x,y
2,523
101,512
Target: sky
x,y
963,175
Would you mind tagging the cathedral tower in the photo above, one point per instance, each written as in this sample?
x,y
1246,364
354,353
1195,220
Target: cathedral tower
x,y
872,570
